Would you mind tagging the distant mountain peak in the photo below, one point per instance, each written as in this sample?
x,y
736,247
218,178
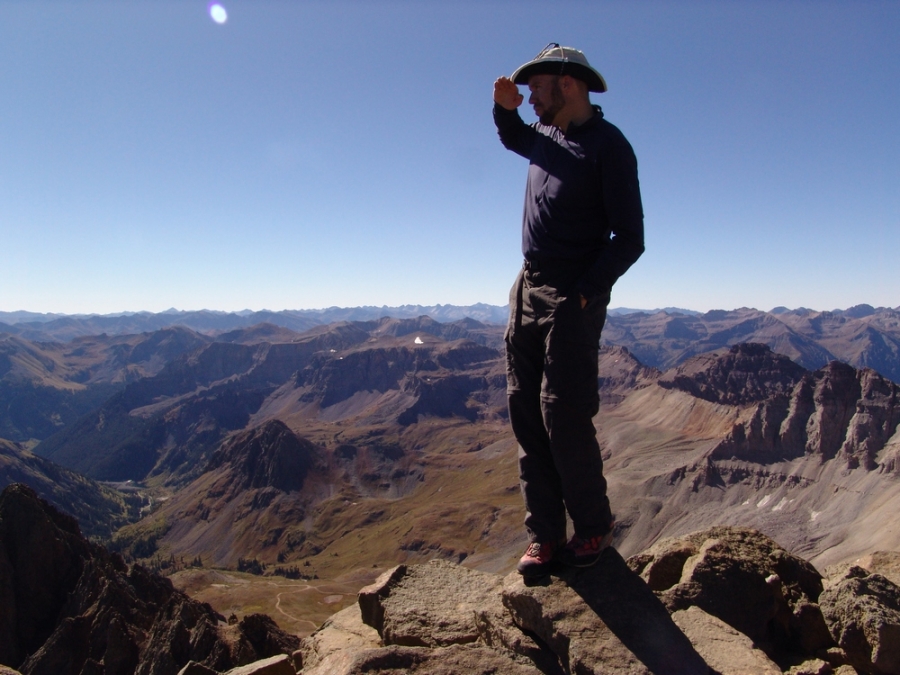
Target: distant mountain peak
x,y
742,374
270,455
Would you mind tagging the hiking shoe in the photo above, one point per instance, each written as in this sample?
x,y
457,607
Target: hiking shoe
x,y
585,552
539,558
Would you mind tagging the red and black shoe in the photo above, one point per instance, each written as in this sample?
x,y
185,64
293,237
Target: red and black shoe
x,y
540,558
585,552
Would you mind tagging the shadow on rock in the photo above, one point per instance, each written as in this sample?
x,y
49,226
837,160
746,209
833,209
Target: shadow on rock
x,y
624,602
603,619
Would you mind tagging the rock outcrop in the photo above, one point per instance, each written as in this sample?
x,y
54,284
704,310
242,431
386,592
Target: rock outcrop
x,y
69,606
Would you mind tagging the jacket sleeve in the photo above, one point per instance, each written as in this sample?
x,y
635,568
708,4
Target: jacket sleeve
x,y
514,133
617,167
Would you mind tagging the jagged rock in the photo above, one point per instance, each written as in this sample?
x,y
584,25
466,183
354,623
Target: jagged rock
x,y
743,578
835,397
835,410
603,619
5,670
812,667
264,636
275,665
42,556
863,615
72,607
874,421
885,563
726,650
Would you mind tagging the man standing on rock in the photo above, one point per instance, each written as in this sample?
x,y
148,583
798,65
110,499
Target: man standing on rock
x,y
582,229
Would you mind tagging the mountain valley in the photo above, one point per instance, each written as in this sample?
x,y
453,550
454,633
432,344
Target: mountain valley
x,y
350,447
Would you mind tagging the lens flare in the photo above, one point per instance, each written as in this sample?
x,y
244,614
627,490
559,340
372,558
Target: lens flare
x,y
217,12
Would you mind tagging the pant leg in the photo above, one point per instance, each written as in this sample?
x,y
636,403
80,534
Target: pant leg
x,y
545,516
552,346
569,401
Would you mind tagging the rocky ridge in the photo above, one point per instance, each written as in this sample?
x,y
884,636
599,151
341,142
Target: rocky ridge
x,y
100,510
69,606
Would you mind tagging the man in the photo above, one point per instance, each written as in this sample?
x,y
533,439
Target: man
x,y
582,229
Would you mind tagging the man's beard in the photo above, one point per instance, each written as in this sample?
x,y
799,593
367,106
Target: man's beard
x,y
557,103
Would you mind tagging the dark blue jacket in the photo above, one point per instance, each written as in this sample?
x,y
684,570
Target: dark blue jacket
x,y
582,200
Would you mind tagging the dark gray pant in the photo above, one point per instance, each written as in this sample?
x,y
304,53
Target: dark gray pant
x,y
551,366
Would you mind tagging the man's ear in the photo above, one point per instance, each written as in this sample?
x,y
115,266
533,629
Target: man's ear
x,y
569,85
573,87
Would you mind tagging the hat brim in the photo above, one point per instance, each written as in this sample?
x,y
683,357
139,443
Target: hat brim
x,y
586,74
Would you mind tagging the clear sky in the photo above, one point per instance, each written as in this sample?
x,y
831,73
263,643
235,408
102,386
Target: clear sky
x,y
308,154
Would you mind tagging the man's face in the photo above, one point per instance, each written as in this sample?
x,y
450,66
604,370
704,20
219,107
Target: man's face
x,y
546,97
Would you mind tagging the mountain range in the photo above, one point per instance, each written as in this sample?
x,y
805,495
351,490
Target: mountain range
x,y
384,441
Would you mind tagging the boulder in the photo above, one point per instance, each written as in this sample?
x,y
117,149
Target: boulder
x,y
431,605
885,563
812,667
743,578
441,617
863,616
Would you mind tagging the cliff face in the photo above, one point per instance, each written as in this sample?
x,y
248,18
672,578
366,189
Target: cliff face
x,y
68,606
835,412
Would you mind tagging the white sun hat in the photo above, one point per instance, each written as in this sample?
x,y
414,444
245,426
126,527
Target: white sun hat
x,y
556,60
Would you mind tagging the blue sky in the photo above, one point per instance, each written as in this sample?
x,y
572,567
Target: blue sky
x,y
310,154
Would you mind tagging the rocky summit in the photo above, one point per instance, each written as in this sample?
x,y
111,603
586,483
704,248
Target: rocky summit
x,y
725,600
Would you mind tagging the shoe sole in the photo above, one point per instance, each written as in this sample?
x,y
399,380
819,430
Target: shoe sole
x,y
537,570
591,560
